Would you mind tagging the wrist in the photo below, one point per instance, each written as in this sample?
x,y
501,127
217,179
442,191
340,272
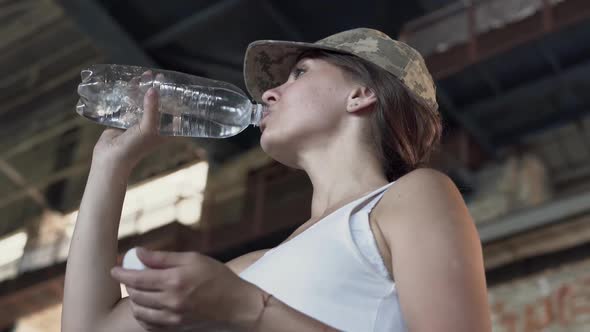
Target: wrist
x,y
249,309
112,165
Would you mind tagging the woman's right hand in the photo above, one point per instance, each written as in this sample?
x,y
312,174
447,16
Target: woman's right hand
x,y
123,149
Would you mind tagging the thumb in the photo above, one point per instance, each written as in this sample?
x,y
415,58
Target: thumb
x,y
148,126
151,117
144,136
159,259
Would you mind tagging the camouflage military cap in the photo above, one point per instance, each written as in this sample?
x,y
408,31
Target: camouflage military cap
x,y
267,63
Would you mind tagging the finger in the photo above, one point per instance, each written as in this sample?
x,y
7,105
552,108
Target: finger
x,y
151,327
149,123
153,300
159,80
155,327
150,117
147,280
154,316
146,80
164,259
134,89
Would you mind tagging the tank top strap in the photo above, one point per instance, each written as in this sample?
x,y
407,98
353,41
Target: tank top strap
x,y
375,199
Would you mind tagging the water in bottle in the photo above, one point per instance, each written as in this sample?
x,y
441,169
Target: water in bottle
x,y
112,95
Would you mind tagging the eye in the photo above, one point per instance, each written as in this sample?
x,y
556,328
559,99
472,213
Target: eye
x,y
297,72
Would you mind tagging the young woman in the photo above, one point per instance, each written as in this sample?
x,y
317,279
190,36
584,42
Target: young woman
x,y
390,245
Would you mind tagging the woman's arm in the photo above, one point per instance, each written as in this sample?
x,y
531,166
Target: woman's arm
x,y
436,254
184,290
90,293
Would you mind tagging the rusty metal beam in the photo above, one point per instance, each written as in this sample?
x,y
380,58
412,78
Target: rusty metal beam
x,y
13,175
530,91
483,46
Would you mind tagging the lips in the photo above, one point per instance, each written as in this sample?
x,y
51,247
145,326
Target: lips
x,y
265,115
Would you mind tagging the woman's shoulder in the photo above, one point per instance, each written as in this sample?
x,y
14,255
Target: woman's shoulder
x,y
420,197
435,250
431,177
423,184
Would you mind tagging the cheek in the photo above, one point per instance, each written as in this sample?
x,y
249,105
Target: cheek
x,y
313,106
307,113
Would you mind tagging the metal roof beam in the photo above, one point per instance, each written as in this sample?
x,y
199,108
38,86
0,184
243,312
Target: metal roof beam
x,y
464,120
490,80
76,169
558,71
554,120
200,64
42,137
108,35
46,87
529,91
553,212
173,31
13,175
288,27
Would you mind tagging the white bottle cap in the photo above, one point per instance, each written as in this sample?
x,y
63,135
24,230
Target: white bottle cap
x,y
131,261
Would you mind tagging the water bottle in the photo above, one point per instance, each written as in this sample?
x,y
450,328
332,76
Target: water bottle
x,y
194,106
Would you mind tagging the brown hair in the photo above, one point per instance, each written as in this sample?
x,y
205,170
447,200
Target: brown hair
x,y
404,133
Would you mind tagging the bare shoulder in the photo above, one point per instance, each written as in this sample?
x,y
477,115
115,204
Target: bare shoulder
x,y
425,182
422,197
425,203
239,264
436,253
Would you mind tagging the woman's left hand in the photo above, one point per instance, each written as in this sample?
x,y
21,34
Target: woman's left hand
x,y
187,290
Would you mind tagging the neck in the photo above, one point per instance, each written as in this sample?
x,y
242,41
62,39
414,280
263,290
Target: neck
x,y
340,175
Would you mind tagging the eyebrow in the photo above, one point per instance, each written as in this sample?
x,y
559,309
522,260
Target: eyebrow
x,y
304,60
300,62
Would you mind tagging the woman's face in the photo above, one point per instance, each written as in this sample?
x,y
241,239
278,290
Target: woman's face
x,y
307,111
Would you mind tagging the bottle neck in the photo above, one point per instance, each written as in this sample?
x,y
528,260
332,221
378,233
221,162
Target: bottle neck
x,y
257,113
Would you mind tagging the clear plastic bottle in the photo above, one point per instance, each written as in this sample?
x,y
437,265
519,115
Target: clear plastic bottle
x,y
112,95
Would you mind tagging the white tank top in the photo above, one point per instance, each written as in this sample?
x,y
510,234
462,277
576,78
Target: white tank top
x,y
333,272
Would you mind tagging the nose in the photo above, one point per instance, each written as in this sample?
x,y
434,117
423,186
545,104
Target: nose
x,y
270,96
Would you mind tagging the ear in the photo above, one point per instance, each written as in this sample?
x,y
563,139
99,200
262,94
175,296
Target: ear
x,y
359,99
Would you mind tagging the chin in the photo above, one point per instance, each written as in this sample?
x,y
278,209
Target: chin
x,y
278,150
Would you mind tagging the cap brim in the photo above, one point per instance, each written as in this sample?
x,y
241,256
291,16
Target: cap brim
x,y
267,63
